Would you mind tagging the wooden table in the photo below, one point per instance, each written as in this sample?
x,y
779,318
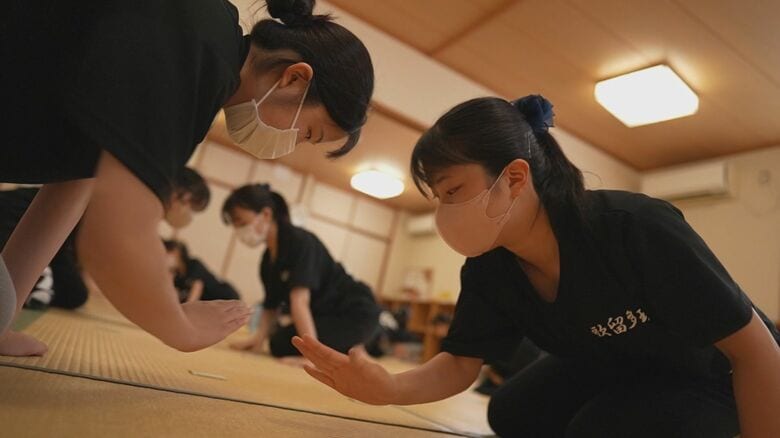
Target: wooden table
x,y
421,320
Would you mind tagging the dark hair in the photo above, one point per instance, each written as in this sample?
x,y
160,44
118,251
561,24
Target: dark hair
x,y
492,132
172,245
190,181
343,73
256,197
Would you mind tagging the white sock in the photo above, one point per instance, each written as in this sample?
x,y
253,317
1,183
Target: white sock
x,y
43,292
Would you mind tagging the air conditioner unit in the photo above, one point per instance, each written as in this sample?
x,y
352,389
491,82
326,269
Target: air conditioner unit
x,y
422,224
694,181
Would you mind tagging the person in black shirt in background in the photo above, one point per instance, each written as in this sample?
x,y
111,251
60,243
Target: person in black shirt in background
x,y
192,279
647,334
110,99
297,271
61,283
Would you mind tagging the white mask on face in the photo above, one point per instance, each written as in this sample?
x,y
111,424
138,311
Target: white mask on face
x,y
249,236
254,136
466,226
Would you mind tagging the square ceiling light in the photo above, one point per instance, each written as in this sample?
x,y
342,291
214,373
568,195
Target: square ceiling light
x,y
647,96
377,184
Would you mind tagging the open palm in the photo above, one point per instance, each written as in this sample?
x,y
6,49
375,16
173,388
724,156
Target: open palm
x,y
355,375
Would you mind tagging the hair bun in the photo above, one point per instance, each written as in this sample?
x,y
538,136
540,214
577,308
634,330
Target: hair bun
x,y
537,110
292,12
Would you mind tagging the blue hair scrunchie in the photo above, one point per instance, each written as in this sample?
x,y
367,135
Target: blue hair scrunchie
x,y
537,110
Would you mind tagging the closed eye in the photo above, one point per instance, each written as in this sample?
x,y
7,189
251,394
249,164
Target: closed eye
x,y
453,190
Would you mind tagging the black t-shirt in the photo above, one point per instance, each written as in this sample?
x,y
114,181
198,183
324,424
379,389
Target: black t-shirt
x,y
639,292
303,261
140,79
213,288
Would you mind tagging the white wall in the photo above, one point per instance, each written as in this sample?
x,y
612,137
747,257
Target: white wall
x,y
744,230
427,251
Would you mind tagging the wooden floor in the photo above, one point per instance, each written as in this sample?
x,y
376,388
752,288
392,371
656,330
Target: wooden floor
x,y
105,377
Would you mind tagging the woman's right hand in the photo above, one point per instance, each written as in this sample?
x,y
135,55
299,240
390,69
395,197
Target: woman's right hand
x,y
212,321
355,375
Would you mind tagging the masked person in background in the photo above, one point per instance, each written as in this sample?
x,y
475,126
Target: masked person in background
x,y
299,273
192,279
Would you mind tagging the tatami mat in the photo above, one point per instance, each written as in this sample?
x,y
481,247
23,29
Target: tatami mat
x,y
39,404
102,345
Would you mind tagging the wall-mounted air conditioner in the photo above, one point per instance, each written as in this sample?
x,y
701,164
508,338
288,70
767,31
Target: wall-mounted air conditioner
x,y
421,224
685,182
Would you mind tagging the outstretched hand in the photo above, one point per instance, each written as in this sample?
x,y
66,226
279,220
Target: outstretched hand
x,y
355,375
213,320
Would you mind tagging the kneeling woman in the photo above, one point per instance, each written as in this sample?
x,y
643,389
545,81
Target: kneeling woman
x,y
297,271
648,334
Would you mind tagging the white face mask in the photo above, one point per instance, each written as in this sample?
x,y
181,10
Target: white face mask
x,y
254,136
249,236
466,226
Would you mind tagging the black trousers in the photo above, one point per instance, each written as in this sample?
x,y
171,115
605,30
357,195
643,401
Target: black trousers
x,y
557,398
339,332
70,291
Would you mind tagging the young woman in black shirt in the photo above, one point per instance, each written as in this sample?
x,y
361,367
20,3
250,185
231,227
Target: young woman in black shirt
x,y
109,100
647,333
192,279
299,274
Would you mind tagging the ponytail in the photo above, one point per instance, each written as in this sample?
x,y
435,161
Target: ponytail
x,y
557,180
280,208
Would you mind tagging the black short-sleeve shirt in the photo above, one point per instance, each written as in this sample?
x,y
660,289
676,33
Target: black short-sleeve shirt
x,y
639,290
213,287
303,261
140,79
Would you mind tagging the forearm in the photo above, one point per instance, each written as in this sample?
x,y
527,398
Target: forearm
x,y
130,272
757,391
43,228
196,291
443,376
303,319
301,312
120,248
267,320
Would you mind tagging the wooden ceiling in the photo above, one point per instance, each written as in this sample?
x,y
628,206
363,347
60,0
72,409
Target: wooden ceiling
x,y
728,51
